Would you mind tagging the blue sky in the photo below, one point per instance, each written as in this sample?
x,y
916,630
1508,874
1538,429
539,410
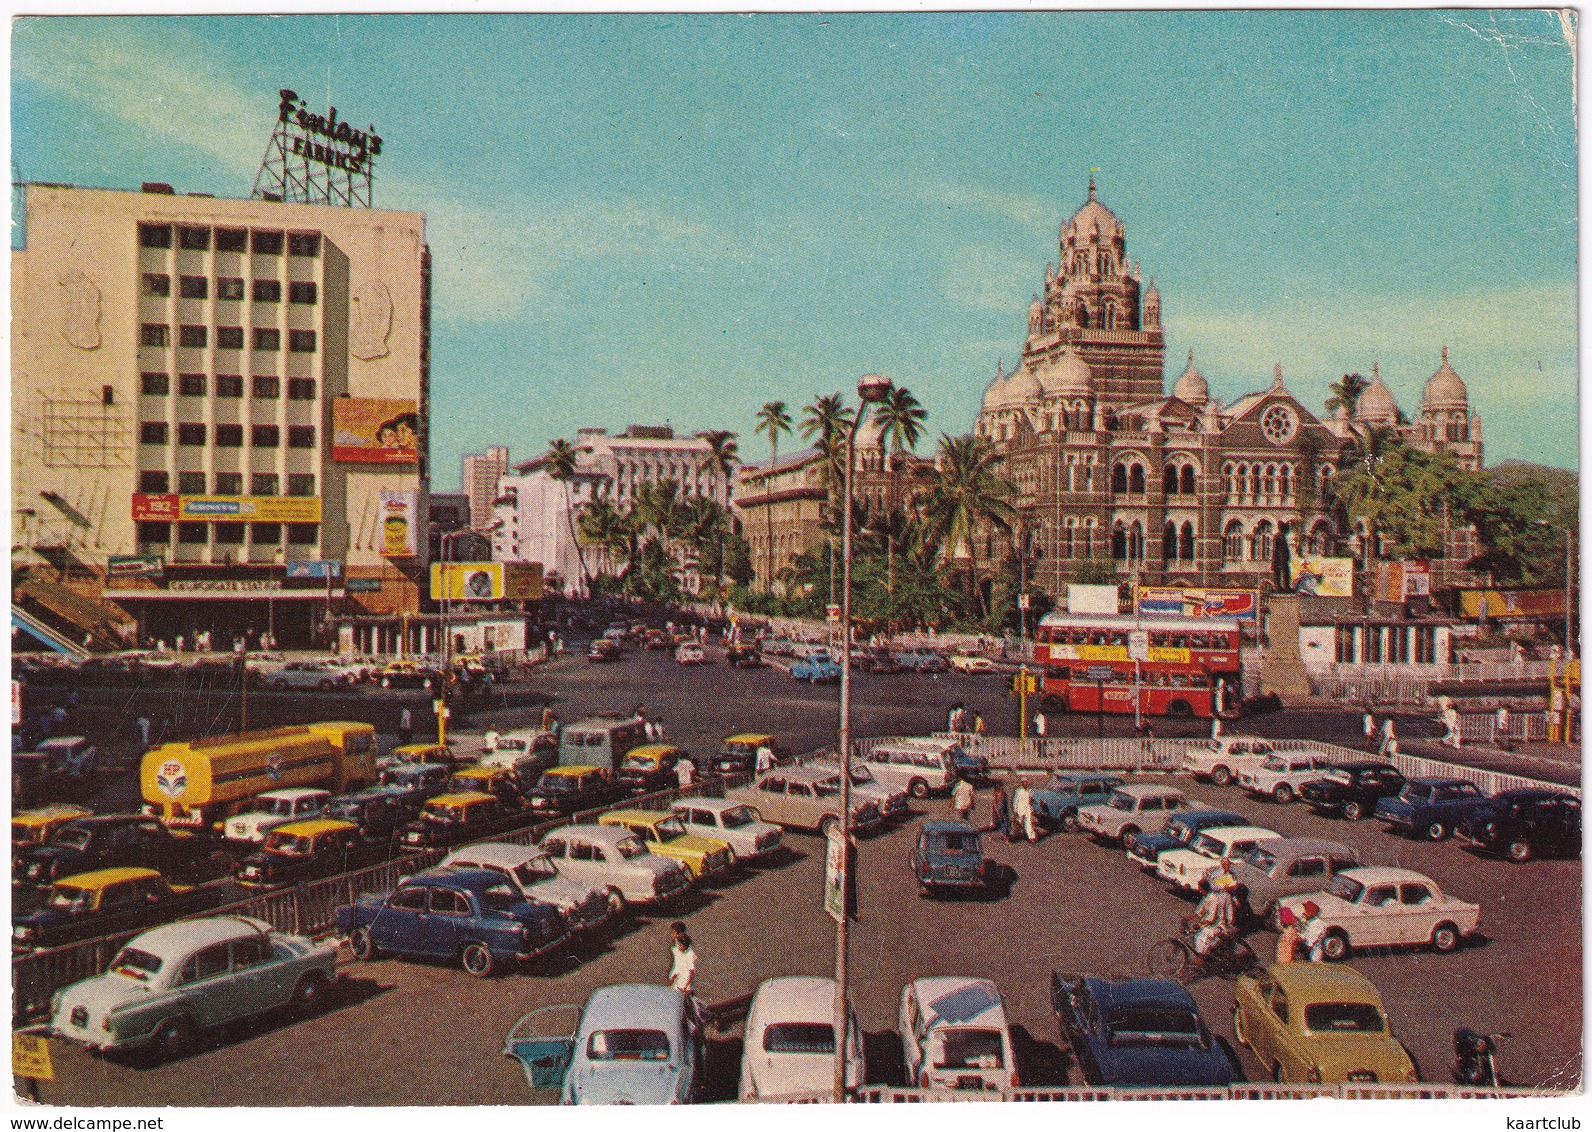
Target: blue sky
x,y
640,217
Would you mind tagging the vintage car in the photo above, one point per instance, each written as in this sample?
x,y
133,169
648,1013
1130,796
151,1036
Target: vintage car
x,y
893,802
882,662
656,640
406,674
413,784
738,753
1375,906
1289,866
96,842
1281,774
1352,789
954,1034
173,981
427,753
919,767
502,782
1222,759
743,656
1431,807
969,664
921,660
1137,1032
1189,869
104,902
789,1049
604,651
1312,1023
353,669
1145,849
1522,824
473,916
816,668
1131,809
35,827
805,798
306,674
1056,804
650,767
690,654
274,808
377,811
450,819
569,789
618,862
666,835
300,850
535,876
736,824
949,855
636,1045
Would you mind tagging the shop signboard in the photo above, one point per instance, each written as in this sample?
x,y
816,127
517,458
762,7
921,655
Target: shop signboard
x,y
399,511
321,568
1400,581
226,508
522,581
135,566
1512,605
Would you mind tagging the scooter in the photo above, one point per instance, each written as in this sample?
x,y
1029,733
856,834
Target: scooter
x,y
1475,1058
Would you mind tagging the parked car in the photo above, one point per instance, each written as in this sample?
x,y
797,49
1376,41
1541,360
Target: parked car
x,y
738,753
690,654
1222,759
919,768
377,811
1311,1023
805,798
570,789
472,916
1056,804
1289,866
1281,775
527,752
451,819
103,902
171,982
443,754
1522,824
1376,906
893,804
1431,807
603,651
535,876
789,1050
36,827
406,674
883,662
969,665
305,674
666,835
413,784
954,1034
949,855
616,861
636,1045
274,808
301,850
649,768
914,660
1145,849
354,669
502,782
1137,1032
816,668
655,639
62,765
736,824
743,656
96,842
1352,789
1189,869
1132,808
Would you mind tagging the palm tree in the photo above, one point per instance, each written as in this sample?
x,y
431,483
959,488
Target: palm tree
x,y
772,419
900,420
1346,393
560,463
610,530
970,493
825,423
723,454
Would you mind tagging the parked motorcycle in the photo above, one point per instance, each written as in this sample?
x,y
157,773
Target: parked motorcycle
x,y
1475,1058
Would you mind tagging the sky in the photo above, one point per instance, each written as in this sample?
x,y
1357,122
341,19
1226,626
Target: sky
x,y
650,218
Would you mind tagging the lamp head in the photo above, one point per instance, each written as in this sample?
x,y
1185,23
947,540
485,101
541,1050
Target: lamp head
x,y
873,388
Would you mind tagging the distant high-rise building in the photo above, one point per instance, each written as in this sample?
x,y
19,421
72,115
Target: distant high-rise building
x,y
479,481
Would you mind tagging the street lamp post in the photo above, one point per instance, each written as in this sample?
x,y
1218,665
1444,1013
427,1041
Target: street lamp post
x,y
447,641
871,389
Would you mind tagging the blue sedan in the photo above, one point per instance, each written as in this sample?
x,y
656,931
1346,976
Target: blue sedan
x,y
1056,805
816,670
1431,807
1137,1032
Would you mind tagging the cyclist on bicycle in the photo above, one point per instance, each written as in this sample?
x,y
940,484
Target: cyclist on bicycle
x,y
1216,918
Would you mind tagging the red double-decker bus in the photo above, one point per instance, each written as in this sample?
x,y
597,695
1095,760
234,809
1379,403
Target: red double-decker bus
x,y
1183,664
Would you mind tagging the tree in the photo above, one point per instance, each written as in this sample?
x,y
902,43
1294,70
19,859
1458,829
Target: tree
x,y
826,423
970,494
1408,499
900,419
1521,520
560,461
1346,393
772,419
610,530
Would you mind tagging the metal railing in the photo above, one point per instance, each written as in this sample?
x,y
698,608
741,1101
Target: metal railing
x,y
889,1094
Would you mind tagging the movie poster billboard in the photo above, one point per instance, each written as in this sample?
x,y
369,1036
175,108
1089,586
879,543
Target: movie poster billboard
x,y
398,518
1321,577
522,581
373,430
466,581
1399,581
1196,601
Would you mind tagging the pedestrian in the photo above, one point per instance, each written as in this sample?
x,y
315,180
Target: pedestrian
x,y
685,773
1501,726
1451,737
1216,727
1023,814
978,724
953,722
962,799
1039,724
547,718
1311,930
1000,810
1288,938
143,731
558,645
682,959
1387,735
406,728
765,758
640,712
1368,724
490,740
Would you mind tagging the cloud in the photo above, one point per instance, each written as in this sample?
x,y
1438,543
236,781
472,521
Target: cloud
x,y
959,200
983,278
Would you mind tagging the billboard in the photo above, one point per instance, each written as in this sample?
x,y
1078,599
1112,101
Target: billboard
x,y
135,566
466,581
1399,581
1512,605
1091,599
375,430
399,514
226,508
1195,601
322,568
1321,577
522,581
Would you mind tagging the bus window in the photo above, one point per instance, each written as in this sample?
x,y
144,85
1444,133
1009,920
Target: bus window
x,y
1178,642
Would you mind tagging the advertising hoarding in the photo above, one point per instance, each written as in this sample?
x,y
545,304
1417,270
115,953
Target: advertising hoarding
x,y
321,568
466,581
1321,577
1196,601
1512,605
375,430
1399,581
399,514
1083,598
135,566
226,508
522,581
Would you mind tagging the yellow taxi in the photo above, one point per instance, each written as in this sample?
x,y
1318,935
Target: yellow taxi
x,y
302,849
452,819
570,789
665,834
425,753
650,767
738,755
502,782
101,902
1319,1022
35,827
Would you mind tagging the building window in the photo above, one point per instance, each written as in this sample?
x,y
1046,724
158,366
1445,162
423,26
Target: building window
x,y
229,337
229,534
1169,542
263,483
1233,541
229,436
303,534
265,436
1186,479
301,292
304,244
301,484
193,337
267,338
193,287
229,385
1136,480
192,435
1260,543
154,384
156,533
267,387
154,235
193,533
194,239
301,341
1425,644
301,436
154,483
1186,543
154,334
267,243
301,389
191,483
229,289
267,291
1119,542
157,284
191,384
1169,479
232,240
1373,644
265,534
228,483
152,432
1398,644
1119,480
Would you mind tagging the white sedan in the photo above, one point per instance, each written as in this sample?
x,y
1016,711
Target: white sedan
x,y
972,664
790,1040
1376,907
1189,868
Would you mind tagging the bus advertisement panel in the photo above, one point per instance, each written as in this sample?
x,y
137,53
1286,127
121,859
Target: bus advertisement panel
x,y
1194,601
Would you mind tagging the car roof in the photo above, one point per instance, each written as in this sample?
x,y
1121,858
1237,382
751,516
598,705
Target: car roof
x,y
1384,874
501,853
1443,782
794,998
630,1006
186,935
717,805
1209,817
417,768
1147,789
477,770
61,741
293,794
748,737
574,770
99,878
1140,992
960,1001
314,826
804,773
640,817
111,819
946,826
607,834
456,876
1299,846
1324,982
420,747
652,750
1235,832
461,798
54,812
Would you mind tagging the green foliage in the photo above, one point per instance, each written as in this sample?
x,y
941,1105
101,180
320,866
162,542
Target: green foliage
x,y
1095,572
1521,519
1346,393
1408,497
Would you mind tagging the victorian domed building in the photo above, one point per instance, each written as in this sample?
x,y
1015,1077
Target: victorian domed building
x,y
1175,489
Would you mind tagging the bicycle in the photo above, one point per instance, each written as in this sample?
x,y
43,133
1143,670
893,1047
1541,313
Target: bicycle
x,y
1175,958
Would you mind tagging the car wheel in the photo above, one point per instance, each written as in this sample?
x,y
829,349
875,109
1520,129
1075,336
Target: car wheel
x,y
918,788
1222,776
1437,831
1283,794
1127,832
616,902
1069,821
1519,850
362,945
1335,947
1240,1032
1445,938
477,960
829,826
309,994
1353,811
174,1038
1179,709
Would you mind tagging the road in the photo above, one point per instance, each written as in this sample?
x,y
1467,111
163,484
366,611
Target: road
x,y
417,1033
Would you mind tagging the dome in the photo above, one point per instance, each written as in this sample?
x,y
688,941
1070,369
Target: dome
x,y
1444,389
1191,385
1092,216
995,391
1023,387
1066,373
1376,402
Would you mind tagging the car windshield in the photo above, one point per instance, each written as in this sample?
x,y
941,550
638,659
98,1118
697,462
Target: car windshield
x,y
399,776
136,964
1274,763
500,898
1153,1025
288,844
631,847
1258,858
1121,801
970,1049
536,869
1207,846
799,1037
1345,888
628,1045
954,842
442,813
558,784
72,837
71,898
737,818
740,750
639,762
670,829
1343,1018
1341,776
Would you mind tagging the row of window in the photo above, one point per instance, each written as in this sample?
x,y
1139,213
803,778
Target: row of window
x,y
229,289
193,434
229,534
266,338
262,386
1385,644
226,483
196,238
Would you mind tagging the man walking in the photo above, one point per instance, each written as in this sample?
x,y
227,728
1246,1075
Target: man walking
x,y
962,799
1000,810
1387,736
1368,725
406,728
682,960
765,758
685,773
1039,724
1022,814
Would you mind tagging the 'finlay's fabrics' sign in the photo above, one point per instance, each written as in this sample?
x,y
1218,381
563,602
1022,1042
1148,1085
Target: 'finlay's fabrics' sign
x,y
1244,605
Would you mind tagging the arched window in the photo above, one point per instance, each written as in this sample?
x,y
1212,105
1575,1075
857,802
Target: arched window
x,y
1136,542
1254,481
1321,538
1136,479
1083,316
1186,543
1285,481
1270,480
1066,537
1186,479
1169,479
1230,482
1260,543
1108,316
1169,542
1119,480
1233,541
1088,538
1119,542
